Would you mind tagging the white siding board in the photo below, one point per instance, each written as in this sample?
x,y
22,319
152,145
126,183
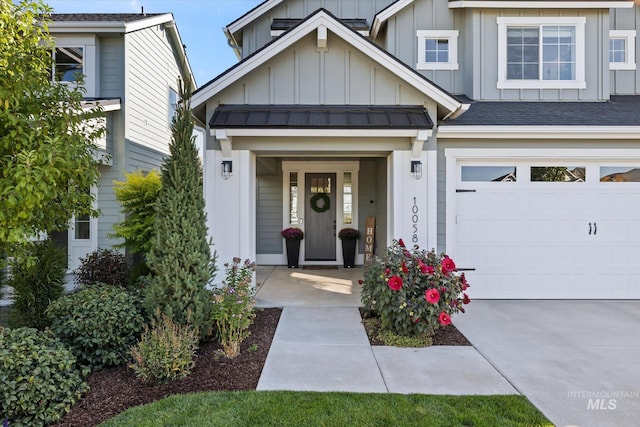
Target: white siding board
x,y
152,69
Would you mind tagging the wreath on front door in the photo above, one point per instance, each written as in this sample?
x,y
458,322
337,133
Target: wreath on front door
x,y
326,203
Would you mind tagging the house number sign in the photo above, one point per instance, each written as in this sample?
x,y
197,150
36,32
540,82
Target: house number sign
x,y
414,221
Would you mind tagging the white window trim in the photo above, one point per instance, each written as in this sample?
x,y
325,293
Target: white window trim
x,y
630,46
452,38
578,22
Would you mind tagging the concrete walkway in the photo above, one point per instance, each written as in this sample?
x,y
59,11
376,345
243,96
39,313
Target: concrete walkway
x,y
577,361
321,345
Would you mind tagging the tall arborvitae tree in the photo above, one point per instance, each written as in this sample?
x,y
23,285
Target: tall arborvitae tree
x,y
180,255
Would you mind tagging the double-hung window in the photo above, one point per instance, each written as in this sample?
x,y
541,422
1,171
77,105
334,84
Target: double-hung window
x,y
541,52
622,50
437,50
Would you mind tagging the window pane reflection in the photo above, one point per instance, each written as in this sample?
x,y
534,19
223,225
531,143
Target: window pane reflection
x,y
557,174
620,174
489,173
293,197
82,228
348,199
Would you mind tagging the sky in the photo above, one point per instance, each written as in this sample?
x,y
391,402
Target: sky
x,y
200,24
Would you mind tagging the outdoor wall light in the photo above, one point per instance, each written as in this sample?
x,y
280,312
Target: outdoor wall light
x,y
416,169
227,168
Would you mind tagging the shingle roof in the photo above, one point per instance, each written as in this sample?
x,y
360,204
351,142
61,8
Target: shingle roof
x,y
101,17
321,116
621,110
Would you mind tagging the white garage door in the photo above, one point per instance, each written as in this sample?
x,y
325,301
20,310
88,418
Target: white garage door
x,y
566,230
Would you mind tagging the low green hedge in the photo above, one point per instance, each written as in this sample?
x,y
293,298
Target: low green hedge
x,y
40,382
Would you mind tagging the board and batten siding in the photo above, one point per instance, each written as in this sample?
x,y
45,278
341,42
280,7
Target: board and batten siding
x,y
151,70
339,75
484,54
372,200
258,33
626,82
112,67
269,199
400,38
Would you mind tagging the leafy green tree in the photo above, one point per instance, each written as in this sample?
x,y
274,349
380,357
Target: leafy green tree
x,y
47,139
137,195
180,256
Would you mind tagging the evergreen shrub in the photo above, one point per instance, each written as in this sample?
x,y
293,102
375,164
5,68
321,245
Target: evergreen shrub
x,y
99,324
40,382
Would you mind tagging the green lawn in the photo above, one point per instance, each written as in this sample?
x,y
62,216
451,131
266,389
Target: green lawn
x,y
285,408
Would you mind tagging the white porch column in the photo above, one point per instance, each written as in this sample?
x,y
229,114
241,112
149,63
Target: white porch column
x,y
409,199
230,206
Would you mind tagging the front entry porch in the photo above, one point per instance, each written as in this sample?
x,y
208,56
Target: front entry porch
x,y
279,286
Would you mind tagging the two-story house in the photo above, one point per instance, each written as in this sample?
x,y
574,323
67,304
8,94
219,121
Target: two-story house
x,y
131,64
504,133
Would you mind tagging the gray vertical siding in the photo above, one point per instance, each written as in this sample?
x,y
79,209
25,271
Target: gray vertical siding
x,y
258,33
626,82
372,199
112,67
269,201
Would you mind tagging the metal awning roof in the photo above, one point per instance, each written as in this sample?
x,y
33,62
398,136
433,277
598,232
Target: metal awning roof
x,y
320,117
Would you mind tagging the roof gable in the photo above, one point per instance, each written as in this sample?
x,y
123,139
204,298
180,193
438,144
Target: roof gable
x,y
324,22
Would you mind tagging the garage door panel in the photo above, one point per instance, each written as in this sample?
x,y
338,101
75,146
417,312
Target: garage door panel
x,y
561,240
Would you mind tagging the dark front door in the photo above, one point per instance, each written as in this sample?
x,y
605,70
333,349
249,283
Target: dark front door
x,y
320,214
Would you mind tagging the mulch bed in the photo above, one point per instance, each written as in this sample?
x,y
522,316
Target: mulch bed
x,y
115,389
448,335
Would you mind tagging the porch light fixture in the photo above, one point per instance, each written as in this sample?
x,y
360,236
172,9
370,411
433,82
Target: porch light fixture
x,y
416,169
227,168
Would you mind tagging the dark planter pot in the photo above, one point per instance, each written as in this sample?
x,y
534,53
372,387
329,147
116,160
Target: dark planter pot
x,y
349,253
293,253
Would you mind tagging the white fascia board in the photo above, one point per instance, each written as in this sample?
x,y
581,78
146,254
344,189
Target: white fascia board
x,y
303,133
540,132
182,54
106,104
387,13
541,4
252,15
365,46
108,26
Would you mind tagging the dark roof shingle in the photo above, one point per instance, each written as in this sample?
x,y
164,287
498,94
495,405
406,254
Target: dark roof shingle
x,y
101,17
621,110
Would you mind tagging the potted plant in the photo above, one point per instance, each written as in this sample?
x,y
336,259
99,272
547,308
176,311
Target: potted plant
x,y
349,237
292,237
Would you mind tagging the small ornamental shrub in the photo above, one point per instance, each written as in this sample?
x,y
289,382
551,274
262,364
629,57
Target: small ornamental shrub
x,y
414,292
103,266
165,352
234,303
40,382
292,233
37,279
99,324
348,234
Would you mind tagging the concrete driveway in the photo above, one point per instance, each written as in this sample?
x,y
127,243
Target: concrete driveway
x,y
577,361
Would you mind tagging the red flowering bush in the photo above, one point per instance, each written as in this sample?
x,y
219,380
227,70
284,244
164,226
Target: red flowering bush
x,y
414,292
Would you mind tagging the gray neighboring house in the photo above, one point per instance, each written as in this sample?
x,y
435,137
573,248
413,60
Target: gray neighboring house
x,y
414,112
131,64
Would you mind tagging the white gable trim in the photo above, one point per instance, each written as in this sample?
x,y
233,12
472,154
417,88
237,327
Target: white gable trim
x,y
385,14
540,132
540,4
252,15
311,24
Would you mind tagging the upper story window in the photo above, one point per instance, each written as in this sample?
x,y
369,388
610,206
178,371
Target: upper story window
x,y
541,52
68,63
437,50
622,50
